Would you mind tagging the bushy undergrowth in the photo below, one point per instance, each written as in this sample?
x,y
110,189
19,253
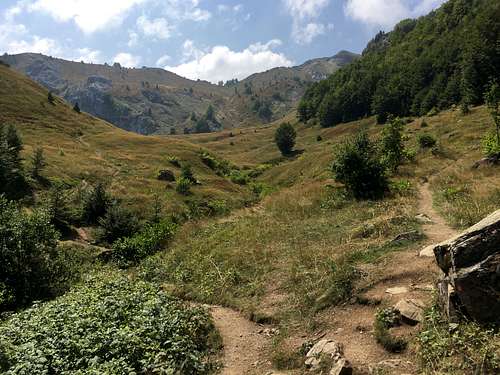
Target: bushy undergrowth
x,y
149,240
384,320
465,349
30,265
110,326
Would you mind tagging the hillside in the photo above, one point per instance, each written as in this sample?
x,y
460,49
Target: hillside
x,y
149,100
306,262
82,149
427,64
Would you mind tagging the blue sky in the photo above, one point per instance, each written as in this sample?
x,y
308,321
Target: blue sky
x,y
207,39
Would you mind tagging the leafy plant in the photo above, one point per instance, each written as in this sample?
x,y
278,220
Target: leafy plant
x,y
384,320
357,166
183,186
426,141
108,325
392,146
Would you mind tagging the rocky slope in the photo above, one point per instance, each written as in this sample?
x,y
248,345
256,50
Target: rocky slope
x,y
155,101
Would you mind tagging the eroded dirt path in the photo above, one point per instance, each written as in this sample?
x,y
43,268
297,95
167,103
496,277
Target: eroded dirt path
x,y
438,230
245,343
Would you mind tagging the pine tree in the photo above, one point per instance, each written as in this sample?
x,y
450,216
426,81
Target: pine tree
x,y
38,162
50,97
76,108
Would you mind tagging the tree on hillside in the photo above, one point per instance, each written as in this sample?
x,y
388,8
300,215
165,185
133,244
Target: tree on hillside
x,y
492,99
38,163
50,98
12,181
95,204
392,146
76,108
357,166
285,138
14,140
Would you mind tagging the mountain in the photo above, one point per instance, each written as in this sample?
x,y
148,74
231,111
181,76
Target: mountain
x,y
447,57
155,101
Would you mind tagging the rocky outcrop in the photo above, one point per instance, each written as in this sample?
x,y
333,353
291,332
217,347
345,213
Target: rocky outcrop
x,y
332,352
470,262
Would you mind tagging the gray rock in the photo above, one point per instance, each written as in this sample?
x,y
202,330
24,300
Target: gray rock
x,y
333,351
423,218
397,290
471,265
411,310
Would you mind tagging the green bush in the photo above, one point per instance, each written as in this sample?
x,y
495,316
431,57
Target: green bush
x,y
12,181
426,141
95,204
285,138
384,320
174,160
357,166
30,265
392,146
187,174
183,186
491,147
108,325
130,250
117,222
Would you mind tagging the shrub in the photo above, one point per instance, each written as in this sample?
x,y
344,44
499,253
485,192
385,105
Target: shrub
x,y
29,268
57,203
426,141
392,145
492,99
38,163
384,320
110,326
491,146
174,160
356,166
95,204
12,181
76,108
285,138
117,222
466,349
183,186
149,240
319,138
187,174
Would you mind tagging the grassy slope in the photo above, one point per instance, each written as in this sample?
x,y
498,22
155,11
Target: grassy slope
x,y
276,259
79,147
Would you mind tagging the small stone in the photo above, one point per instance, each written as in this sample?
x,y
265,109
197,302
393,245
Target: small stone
x,y
411,309
397,290
423,218
341,367
323,347
427,252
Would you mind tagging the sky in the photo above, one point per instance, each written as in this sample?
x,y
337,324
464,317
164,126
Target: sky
x,y
213,40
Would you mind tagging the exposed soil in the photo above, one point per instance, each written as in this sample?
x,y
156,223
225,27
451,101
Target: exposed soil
x,y
247,346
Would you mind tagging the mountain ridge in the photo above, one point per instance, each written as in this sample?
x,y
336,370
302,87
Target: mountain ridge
x,y
156,101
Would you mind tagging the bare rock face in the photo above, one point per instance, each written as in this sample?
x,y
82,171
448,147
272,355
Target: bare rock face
x,y
471,266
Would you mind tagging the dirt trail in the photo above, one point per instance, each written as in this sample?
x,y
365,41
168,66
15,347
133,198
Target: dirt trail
x,y
245,343
438,230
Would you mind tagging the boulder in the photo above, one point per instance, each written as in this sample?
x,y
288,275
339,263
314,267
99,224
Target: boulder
x,y
166,175
470,263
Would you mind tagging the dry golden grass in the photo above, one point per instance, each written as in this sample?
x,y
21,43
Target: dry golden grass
x,y
79,147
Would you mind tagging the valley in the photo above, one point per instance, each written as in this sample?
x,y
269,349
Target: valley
x,y
305,220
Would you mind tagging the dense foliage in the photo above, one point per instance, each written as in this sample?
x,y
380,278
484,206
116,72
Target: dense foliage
x,y
118,222
110,326
392,146
358,167
130,250
445,58
285,138
12,181
95,204
30,264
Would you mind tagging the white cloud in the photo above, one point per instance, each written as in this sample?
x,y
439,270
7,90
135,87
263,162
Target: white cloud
x,y
303,12
163,60
303,9
35,44
221,63
156,28
128,60
88,55
386,13
88,15
307,33
133,38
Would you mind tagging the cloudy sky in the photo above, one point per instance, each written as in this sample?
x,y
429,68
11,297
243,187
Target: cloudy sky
x,y
207,39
